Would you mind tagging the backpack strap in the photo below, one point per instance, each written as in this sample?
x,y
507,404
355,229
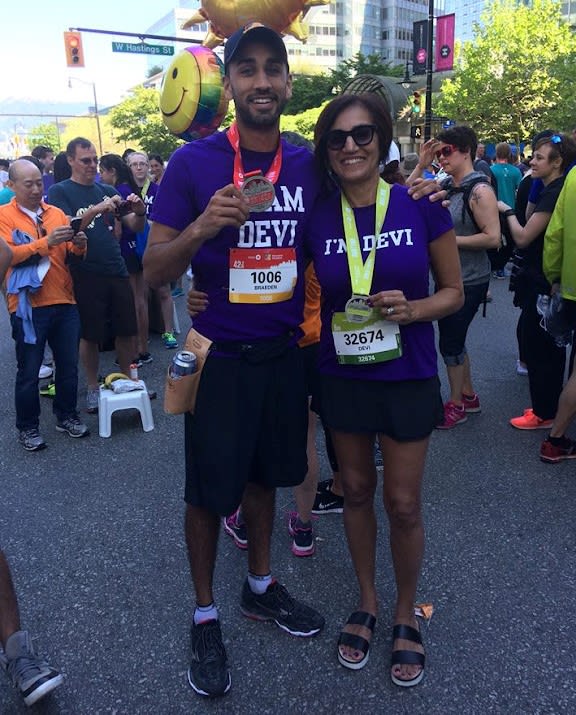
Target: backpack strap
x,y
466,192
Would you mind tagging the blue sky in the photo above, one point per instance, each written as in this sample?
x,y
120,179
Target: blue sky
x,y
34,62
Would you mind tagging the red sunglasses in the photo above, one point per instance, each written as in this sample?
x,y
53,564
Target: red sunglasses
x,y
446,150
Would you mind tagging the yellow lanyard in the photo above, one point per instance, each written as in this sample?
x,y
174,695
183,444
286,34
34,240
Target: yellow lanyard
x,y
361,273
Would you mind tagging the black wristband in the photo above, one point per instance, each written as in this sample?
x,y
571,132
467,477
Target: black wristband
x,y
509,212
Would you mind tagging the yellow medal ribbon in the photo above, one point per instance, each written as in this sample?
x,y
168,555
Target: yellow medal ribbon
x,y
361,272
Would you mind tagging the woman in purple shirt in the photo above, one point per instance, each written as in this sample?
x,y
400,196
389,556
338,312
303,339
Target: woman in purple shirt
x,y
373,247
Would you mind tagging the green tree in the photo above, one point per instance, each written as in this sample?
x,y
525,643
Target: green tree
x,y
45,135
309,91
302,123
313,90
516,76
137,120
362,64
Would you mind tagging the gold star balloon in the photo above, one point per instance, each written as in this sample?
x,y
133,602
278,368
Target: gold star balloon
x,y
227,16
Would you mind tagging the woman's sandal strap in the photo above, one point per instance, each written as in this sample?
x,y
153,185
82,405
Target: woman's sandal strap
x,y
407,657
353,641
362,618
406,633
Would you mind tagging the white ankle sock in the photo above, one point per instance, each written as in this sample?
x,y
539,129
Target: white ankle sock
x,y
259,584
205,613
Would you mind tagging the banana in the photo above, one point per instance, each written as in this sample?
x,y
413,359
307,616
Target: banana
x,y
114,376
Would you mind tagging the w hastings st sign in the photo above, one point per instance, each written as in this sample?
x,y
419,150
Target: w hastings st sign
x,y
141,48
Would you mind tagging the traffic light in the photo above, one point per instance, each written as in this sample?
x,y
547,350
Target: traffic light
x,y
74,51
416,99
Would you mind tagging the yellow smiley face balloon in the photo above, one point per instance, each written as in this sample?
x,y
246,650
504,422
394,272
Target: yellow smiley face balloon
x,y
192,99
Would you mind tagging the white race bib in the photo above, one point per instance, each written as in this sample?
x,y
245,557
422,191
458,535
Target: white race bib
x,y
376,340
262,276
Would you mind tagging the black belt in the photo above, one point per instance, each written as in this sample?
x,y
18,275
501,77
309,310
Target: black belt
x,y
255,351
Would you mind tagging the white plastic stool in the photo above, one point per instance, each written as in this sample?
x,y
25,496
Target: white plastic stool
x,y
110,401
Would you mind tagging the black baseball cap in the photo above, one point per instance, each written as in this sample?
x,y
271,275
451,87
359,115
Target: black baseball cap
x,y
254,32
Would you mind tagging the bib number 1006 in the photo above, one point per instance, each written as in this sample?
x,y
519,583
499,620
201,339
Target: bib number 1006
x,y
259,277
363,338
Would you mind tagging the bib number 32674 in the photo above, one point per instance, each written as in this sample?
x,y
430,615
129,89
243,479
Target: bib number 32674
x,y
373,341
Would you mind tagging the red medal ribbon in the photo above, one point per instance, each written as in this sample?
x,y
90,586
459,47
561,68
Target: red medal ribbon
x,y
273,172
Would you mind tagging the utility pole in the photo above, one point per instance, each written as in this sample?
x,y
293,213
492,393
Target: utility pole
x,y
429,43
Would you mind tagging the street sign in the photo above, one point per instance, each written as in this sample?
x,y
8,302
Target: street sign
x,y
141,48
448,123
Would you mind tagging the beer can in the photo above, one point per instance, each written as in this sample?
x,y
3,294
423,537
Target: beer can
x,y
183,363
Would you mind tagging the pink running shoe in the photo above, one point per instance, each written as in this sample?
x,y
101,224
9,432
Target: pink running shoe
x,y
236,531
453,415
302,535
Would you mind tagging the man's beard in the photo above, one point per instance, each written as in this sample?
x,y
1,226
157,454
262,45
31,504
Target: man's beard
x,y
256,120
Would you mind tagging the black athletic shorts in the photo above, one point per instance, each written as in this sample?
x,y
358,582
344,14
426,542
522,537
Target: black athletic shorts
x,y
312,375
406,411
250,424
105,304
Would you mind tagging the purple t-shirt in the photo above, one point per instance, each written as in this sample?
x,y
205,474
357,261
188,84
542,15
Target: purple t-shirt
x,y
402,263
194,173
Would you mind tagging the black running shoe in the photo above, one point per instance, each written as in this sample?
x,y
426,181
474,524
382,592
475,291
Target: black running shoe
x,y
277,605
324,486
208,674
328,503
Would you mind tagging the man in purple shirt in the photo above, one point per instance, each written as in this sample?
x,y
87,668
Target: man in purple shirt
x,y
45,156
235,205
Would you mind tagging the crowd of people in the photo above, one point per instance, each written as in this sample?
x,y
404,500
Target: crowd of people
x,y
314,289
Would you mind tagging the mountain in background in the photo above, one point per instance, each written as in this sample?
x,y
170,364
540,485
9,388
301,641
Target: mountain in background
x,y
19,111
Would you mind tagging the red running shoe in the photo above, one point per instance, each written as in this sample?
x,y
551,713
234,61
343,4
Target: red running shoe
x,y
552,454
453,415
471,404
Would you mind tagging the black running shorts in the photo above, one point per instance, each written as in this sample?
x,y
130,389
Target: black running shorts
x,y
105,304
406,411
250,424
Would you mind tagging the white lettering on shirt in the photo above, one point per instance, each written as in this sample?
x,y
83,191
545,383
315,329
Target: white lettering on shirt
x,y
385,240
291,202
277,233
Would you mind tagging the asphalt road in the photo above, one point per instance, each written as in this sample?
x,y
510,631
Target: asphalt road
x,y
93,531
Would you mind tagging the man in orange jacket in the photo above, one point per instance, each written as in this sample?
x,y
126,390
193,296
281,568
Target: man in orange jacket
x,y
41,302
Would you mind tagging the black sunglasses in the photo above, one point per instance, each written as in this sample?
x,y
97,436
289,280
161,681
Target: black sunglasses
x,y
87,160
361,135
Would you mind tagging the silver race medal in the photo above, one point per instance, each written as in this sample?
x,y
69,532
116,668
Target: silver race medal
x,y
358,309
259,192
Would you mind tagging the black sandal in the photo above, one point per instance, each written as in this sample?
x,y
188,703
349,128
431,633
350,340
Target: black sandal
x,y
407,657
358,618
